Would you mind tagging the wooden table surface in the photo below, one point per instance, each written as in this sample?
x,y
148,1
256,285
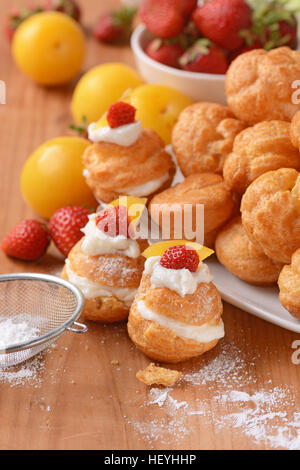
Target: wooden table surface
x,y
79,399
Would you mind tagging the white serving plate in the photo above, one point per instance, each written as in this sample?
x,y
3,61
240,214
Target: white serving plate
x,y
262,302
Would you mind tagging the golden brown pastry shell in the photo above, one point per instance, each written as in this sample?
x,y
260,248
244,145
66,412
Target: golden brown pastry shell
x,y
112,167
271,213
238,254
256,150
108,270
259,85
162,344
103,309
203,137
203,188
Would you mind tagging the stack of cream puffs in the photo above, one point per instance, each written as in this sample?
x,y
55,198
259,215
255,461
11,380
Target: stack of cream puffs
x,y
106,265
252,213
125,159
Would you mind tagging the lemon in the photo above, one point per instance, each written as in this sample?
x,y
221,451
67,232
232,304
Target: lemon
x,y
52,176
49,48
101,87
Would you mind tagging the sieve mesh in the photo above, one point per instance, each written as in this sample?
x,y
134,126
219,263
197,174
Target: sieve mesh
x,y
45,302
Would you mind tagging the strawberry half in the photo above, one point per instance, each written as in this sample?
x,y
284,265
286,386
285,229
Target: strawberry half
x,y
162,18
114,221
65,227
180,257
120,114
28,241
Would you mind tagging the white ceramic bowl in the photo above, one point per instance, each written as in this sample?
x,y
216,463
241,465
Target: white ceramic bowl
x,y
199,86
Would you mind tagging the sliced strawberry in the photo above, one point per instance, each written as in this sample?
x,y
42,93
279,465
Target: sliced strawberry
x,y
162,18
114,221
164,52
222,20
204,57
120,114
180,257
65,227
28,241
115,25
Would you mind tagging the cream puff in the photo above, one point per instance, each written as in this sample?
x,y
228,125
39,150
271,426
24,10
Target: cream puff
x,y
247,262
107,267
126,159
203,137
259,85
264,147
271,213
289,286
176,314
207,189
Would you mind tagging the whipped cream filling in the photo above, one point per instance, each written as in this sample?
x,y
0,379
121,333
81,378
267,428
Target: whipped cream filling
x,y
91,289
203,334
86,173
181,281
146,188
97,242
124,135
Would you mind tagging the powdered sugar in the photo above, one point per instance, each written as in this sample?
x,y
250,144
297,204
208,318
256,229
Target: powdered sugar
x,y
14,331
30,372
261,415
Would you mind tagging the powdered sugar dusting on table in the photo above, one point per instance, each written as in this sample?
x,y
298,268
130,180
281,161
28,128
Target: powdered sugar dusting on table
x,y
260,415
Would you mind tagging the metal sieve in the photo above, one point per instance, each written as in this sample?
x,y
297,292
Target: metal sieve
x,y
46,302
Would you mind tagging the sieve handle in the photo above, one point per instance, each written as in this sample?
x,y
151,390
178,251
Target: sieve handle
x,y
80,328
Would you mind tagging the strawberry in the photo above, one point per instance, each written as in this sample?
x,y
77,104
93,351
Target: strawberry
x,y
114,221
69,7
162,18
115,25
272,25
15,17
28,241
204,57
287,32
222,20
165,52
120,113
65,227
180,257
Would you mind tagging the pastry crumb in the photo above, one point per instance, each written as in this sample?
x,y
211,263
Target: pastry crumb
x,y
158,375
115,362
